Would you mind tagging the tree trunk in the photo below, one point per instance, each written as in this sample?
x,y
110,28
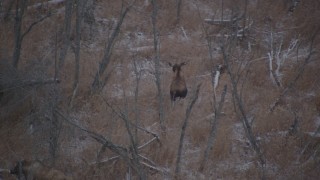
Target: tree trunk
x,y
20,8
66,35
217,113
238,103
184,127
97,83
157,61
178,2
81,4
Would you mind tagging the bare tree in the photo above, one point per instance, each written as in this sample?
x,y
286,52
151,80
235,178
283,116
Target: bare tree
x,y
278,54
301,70
105,142
137,71
217,114
240,107
21,6
81,4
98,83
133,143
130,153
228,45
178,4
156,43
55,126
184,127
214,82
66,35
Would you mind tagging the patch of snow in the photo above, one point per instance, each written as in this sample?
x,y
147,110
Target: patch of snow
x,y
313,135
141,48
244,166
144,66
238,132
117,91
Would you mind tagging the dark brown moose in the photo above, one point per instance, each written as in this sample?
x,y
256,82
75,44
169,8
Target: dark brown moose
x,y
178,88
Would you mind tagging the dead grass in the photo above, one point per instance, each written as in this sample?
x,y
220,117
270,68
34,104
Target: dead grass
x,y
223,143
231,156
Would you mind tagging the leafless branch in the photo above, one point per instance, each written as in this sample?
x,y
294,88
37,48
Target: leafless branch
x,y
307,144
299,73
105,160
133,146
81,4
178,4
35,23
156,42
153,167
121,115
97,85
41,82
146,159
238,104
121,151
213,129
184,127
66,35
147,143
136,95
20,9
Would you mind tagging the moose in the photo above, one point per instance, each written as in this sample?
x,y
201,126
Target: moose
x,y
35,170
178,87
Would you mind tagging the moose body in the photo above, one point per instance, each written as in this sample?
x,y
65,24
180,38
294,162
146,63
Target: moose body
x,y
178,88
30,170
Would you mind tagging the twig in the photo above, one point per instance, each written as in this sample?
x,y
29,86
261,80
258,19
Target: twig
x,y
41,82
309,142
145,158
105,160
147,143
121,151
121,115
99,138
153,167
35,23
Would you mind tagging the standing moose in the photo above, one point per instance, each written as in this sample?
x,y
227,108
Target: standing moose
x,y
178,86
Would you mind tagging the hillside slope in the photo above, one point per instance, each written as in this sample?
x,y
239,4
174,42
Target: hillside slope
x,y
108,120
